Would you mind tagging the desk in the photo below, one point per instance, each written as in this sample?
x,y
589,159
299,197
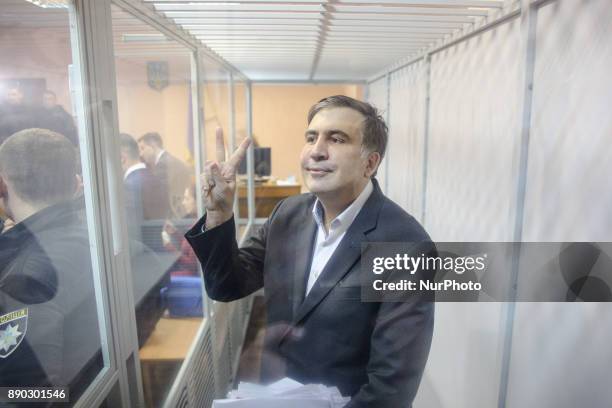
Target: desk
x,y
163,354
267,195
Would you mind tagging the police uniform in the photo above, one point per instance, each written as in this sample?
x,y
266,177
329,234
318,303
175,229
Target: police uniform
x,y
49,332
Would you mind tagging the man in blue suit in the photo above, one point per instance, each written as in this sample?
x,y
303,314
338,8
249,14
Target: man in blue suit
x,y
307,258
135,179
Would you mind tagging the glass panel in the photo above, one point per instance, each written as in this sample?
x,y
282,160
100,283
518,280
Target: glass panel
x,y
155,121
215,97
51,321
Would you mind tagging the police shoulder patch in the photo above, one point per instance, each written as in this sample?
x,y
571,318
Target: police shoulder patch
x,y
13,327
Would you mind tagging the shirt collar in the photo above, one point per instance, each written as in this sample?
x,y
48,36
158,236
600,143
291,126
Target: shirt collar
x,y
346,217
133,168
159,155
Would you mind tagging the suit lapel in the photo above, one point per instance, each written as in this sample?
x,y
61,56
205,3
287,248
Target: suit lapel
x,y
303,240
345,256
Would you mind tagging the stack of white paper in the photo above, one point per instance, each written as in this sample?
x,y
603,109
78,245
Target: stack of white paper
x,y
282,394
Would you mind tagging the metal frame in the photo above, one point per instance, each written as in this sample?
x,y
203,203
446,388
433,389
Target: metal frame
x,y
81,76
529,12
388,120
93,75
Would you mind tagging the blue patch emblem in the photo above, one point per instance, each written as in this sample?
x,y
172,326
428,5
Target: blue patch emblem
x,y
13,327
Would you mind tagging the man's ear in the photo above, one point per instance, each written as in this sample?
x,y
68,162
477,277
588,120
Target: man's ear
x,y
373,161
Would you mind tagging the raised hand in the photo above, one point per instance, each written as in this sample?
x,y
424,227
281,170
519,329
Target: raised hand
x,y
219,182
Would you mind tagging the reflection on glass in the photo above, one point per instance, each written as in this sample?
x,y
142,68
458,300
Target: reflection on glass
x,y
156,147
49,325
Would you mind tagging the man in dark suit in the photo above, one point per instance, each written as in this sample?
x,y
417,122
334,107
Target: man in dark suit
x,y
172,177
307,258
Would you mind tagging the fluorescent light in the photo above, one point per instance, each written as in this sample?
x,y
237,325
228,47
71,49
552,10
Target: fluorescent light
x,y
50,3
144,38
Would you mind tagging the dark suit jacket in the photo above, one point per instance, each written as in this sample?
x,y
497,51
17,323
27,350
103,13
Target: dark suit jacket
x,y
134,202
174,176
374,352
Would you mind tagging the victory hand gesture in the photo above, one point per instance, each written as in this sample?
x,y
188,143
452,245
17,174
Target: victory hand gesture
x,y
219,182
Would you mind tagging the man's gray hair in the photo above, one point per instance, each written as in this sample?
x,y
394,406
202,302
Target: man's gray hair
x,y
40,165
375,132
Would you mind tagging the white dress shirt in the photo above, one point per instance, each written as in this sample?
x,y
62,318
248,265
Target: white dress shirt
x,y
159,155
327,242
133,168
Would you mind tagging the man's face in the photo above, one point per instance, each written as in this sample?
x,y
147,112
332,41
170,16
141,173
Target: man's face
x,y
14,97
147,153
189,203
49,100
332,159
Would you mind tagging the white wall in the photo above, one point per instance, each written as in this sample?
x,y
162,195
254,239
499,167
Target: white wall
x,y
565,347
377,96
559,356
407,128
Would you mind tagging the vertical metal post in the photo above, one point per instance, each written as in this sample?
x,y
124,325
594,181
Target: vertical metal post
x,y
198,127
427,62
232,117
250,157
199,145
99,118
388,120
528,48
232,133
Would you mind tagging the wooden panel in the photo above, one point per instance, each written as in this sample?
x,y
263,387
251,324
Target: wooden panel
x,y
266,198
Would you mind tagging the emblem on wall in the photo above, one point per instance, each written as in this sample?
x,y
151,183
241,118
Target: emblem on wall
x,y
157,74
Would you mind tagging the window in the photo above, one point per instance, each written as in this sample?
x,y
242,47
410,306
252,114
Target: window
x,y
51,314
157,158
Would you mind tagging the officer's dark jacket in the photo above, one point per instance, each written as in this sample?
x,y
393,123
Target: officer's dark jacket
x,y
45,268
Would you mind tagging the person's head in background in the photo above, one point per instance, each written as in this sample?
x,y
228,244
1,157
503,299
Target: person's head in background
x,y
14,96
189,202
37,170
128,151
150,146
345,143
49,99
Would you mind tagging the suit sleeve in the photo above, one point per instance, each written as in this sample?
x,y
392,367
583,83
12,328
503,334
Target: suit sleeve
x,y
230,272
399,347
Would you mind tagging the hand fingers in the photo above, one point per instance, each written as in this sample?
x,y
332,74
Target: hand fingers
x,y
239,154
220,146
216,174
206,179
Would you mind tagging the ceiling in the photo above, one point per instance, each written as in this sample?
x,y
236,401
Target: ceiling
x,y
280,40
321,39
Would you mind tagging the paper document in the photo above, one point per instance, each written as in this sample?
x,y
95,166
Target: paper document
x,y
281,394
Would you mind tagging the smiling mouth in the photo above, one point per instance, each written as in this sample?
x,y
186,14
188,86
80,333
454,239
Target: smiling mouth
x,y
317,171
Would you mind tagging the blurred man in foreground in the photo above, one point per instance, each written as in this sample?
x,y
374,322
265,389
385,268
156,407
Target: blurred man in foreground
x,y
49,331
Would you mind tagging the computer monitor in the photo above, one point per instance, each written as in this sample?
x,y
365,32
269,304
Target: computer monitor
x,y
263,162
